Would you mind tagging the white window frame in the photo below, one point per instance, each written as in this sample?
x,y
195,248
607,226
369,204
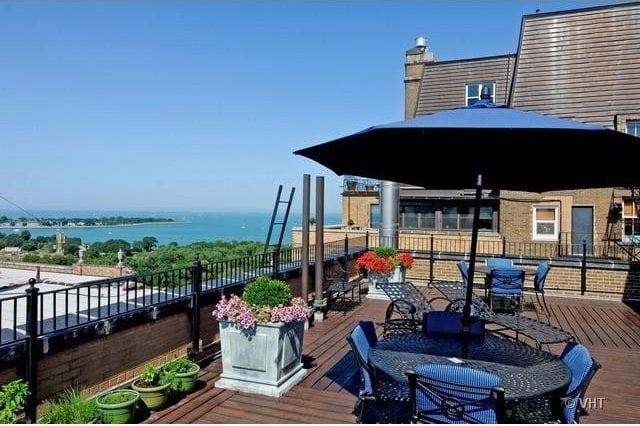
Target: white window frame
x,y
556,223
480,86
628,239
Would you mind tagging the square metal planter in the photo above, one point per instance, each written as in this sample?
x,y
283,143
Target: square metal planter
x,y
266,360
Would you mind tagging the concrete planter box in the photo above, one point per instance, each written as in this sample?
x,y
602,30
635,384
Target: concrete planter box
x,y
397,275
266,360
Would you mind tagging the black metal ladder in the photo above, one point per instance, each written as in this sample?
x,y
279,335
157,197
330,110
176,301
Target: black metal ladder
x,y
276,221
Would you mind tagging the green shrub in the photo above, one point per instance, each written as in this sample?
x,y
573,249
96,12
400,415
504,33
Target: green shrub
x,y
31,258
115,397
386,251
178,366
12,398
153,376
73,406
267,292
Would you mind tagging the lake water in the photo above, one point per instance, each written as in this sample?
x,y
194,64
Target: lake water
x,y
192,226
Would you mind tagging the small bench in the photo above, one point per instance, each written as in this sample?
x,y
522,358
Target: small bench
x,y
339,290
338,298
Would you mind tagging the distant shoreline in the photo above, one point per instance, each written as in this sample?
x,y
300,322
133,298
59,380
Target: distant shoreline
x,y
173,222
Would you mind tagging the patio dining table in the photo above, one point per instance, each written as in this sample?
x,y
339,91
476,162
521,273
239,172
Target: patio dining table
x,y
526,372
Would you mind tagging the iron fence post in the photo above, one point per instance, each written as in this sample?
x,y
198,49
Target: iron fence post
x,y
583,269
32,351
431,259
366,240
276,263
559,245
196,288
346,247
504,247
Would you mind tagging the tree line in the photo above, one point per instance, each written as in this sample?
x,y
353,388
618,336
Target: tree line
x,y
87,221
143,256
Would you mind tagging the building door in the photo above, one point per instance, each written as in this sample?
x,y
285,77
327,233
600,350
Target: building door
x,y
581,229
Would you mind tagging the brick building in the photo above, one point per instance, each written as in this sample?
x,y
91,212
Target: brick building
x,y
580,64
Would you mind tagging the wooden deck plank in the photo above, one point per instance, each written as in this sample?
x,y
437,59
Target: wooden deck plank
x,y
611,331
630,327
603,318
606,336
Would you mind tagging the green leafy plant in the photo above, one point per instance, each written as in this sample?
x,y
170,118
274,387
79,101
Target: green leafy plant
x,y
267,292
153,376
184,374
385,251
12,398
179,366
73,406
116,397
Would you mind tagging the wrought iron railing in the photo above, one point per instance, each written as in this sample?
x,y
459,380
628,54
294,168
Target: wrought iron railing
x,y
90,302
460,244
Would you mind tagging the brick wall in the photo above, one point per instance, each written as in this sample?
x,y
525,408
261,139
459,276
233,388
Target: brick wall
x,y
115,359
516,212
355,206
615,281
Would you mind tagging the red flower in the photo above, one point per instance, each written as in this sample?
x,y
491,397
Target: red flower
x,y
384,264
405,259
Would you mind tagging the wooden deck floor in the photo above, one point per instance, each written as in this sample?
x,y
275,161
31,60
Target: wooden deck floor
x,y
611,330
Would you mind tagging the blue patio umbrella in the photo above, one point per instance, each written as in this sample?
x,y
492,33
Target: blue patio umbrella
x,y
494,145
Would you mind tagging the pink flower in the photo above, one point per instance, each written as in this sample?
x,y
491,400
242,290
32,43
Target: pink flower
x,y
237,311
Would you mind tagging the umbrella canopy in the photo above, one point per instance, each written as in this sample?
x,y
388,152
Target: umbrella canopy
x,y
511,149
504,148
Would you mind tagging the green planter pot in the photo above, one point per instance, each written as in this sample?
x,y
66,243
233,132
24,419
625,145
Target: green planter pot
x,y
117,412
154,397
185,382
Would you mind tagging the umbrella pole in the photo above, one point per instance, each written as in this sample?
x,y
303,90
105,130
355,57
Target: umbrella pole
x,y
466,310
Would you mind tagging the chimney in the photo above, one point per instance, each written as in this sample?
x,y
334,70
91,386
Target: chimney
x,y
415,59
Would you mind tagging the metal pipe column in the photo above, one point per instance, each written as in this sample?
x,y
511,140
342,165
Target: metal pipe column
x,y
304,258
389,211
319,302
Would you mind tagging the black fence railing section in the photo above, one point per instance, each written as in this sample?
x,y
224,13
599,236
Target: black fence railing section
x,y
562,247
94,307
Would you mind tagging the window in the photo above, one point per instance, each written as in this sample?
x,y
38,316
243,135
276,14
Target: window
x,y
473,91
374,215
545,223
633,127
631,232
418,216
446,215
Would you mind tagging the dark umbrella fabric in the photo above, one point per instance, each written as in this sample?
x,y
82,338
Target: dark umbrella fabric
x,y
510,148
485,145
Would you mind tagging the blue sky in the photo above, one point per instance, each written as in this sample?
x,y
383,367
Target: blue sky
x,y
198,106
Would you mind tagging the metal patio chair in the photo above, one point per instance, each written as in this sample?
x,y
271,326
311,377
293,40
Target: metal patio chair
x,y
454,394
385,398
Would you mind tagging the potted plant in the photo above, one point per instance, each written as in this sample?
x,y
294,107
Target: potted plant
x,y
183,374
12,398
72,406
117,406
153,386
383,265
261,335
